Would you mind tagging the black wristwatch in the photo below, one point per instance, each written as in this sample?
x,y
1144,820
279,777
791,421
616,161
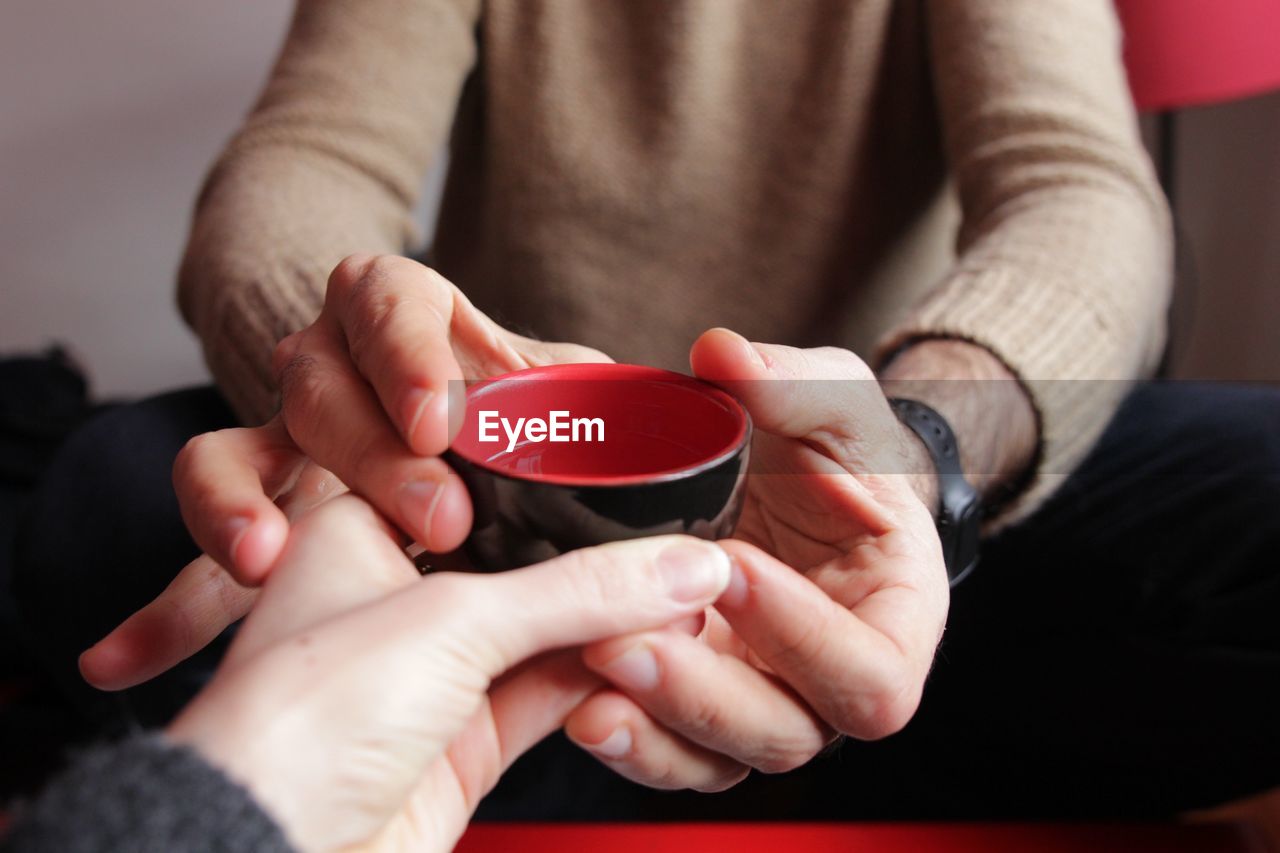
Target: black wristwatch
x,y
959,507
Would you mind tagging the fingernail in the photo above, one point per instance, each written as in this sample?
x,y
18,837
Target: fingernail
x,y
690,625
752,353
415,404
236,530
735,594
616,745
693,570
418,501
457,405
634,669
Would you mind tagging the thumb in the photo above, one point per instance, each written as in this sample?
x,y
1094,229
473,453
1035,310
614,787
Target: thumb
x,y
500,620
796,392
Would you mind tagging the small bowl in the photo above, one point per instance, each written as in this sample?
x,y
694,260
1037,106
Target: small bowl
x,y
637,452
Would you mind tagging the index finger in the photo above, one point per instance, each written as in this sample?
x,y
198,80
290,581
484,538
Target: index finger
x,y
396,315
225,482
191,611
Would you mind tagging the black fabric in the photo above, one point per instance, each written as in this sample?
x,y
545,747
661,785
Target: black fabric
x,y
43,398
1117,655
143,794
101,537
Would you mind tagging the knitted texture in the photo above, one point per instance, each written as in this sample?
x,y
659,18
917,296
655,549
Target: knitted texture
x,y
626,175
143,794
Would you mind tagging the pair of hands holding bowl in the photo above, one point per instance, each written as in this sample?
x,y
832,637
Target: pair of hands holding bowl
x,y
837,596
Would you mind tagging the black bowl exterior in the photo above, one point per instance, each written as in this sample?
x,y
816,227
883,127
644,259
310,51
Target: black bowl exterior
x,y
519,522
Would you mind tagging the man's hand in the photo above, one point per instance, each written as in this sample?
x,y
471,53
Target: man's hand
x,y
370,397
838,599
372,391
358,703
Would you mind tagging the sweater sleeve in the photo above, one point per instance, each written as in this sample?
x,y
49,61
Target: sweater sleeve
x,y
328,163
143,794
1064,265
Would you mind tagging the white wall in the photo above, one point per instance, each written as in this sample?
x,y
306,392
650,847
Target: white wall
x,y
110,113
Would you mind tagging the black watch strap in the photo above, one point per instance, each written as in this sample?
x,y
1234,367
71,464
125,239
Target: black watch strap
x,y
959,507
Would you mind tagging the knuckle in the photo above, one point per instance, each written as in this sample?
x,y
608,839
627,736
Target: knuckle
x,y
724,780
837,446
285,351
196,448
372,313
894,714
190,468
884,711
849,364
173,612
379,270
437,283
704,718
376,277
229,594
199,445
377,310
664,775
301,383
784,758
348,272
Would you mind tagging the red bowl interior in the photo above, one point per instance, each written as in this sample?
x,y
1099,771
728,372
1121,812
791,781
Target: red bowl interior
x,y
658,425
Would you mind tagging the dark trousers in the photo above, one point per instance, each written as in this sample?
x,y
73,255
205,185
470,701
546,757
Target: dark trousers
x,y
1117,655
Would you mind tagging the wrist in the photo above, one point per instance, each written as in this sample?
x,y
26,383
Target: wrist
x,y
986,406
921,472
224,741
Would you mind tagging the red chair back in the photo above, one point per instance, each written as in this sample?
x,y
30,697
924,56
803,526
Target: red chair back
x,y
1187,52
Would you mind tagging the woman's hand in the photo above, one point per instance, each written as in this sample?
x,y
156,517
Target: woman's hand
x,y
359,704
838,599
371,395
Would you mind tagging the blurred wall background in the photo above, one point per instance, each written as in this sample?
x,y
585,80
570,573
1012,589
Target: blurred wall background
x,y
1228,190
111,112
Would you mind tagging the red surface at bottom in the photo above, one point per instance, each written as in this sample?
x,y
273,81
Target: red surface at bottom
x,y
868,838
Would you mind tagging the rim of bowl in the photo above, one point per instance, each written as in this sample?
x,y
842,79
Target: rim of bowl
x,y
606,371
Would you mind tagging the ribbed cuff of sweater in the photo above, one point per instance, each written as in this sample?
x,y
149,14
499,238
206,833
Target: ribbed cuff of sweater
x,y
143,794
1037,332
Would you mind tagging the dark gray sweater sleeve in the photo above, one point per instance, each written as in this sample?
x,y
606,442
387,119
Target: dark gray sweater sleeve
x,y
143,794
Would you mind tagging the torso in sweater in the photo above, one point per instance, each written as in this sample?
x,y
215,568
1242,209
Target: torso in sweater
x,y
627,175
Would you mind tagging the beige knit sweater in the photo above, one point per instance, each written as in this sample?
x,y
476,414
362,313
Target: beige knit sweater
x,y
628,173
